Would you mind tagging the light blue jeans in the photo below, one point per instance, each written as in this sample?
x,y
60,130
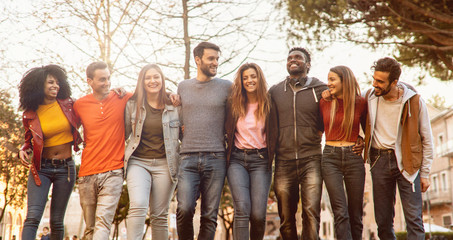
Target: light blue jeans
x,y
57,176
249,178
201,173
99,196
149,185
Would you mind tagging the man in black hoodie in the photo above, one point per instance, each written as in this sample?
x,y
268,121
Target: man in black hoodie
x,y
298,158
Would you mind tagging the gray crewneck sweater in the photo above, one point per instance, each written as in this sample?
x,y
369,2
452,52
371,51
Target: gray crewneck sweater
x,y
203,114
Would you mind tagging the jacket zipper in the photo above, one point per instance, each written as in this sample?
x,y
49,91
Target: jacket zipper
x,y
35,133
295,123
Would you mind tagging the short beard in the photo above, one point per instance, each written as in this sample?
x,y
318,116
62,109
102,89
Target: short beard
x,y
207,72
295,72
384,92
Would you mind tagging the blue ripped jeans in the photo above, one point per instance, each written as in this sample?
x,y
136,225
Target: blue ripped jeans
x,y
99,196
249,178
62,179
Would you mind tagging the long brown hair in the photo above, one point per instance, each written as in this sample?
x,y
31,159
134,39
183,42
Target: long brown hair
x,y
239,96
140,94
350,91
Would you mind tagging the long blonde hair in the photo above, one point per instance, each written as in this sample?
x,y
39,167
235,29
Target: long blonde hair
x,y
239,95
350,91
140,94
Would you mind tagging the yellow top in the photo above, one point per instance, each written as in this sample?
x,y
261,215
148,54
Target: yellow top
x,y
54,124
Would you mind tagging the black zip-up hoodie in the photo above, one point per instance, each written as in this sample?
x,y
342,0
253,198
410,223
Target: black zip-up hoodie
x,y
299,121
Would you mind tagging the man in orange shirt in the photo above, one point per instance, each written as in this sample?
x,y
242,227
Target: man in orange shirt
x,y
101,172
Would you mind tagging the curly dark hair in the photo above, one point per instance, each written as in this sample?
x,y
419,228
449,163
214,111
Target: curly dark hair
x,y
389,65
31,87
304,51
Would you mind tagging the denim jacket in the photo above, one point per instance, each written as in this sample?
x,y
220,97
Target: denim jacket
x,y
171,130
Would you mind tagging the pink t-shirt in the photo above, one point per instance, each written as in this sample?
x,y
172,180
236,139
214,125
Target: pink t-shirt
x,y
250,133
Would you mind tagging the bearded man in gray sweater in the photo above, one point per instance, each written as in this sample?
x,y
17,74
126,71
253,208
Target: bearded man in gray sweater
x,y
203,165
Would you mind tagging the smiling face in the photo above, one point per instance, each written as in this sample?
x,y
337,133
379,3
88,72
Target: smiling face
x,y
381,83
250,80
209,62
335,85
51,88
152,81
296,63
100,83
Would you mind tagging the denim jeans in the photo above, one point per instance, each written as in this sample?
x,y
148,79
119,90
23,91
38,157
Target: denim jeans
x,y
62,179
99,196
341,164
386,175
289,177
249,178
199,173
150,186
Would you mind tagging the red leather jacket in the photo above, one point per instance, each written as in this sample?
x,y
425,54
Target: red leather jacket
x,y
33,134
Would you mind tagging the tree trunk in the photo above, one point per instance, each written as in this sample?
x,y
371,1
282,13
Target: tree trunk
x,y
185,19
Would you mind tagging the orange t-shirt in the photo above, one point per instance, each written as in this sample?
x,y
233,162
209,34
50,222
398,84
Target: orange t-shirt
x,y
103,132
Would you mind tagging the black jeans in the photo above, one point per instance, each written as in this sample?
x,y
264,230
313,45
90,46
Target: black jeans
x,y
341,168
290,175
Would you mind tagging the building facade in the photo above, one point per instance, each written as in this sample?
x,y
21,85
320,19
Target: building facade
x,y
13,218
438,205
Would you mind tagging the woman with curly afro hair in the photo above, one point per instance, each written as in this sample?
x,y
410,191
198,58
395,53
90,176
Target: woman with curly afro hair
x,y
50,132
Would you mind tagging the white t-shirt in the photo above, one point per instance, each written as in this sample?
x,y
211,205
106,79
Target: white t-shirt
x,y
387,121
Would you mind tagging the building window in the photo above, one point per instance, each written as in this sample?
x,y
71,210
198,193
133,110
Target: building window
x,y
435,183
440,143
443,180
446,219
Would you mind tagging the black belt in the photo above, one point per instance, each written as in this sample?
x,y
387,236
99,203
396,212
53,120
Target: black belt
x,y
250,151
380,151
55,161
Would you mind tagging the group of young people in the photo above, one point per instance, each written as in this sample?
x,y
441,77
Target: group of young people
x,y
215,129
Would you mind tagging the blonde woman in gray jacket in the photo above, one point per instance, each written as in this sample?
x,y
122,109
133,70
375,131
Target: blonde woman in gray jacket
x,y
152,153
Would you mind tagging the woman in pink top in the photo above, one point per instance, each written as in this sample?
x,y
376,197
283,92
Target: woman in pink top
x,y
340,166
251,137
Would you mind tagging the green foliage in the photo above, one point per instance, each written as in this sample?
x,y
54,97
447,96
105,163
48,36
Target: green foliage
x,y
434,236
401,235
438,102
12,174
420,31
